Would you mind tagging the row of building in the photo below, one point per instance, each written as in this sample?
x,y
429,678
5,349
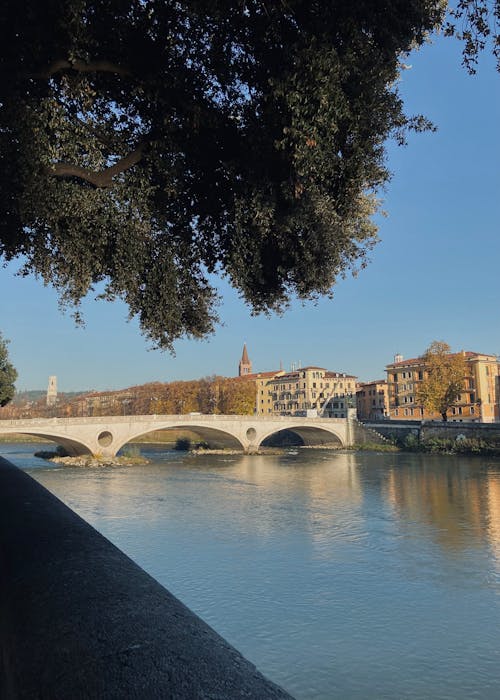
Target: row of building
x,y
315,391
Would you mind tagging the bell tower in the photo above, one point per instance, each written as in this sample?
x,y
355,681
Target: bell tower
x,y
245,366
52,391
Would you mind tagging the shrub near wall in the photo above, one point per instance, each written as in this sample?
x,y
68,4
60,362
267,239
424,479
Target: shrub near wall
x,y
443,445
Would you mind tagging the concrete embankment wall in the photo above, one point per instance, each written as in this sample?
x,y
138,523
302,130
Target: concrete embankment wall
x,y
79,619
439,429
362,434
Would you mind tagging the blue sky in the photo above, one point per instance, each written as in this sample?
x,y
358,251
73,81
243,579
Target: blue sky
x,y
434,275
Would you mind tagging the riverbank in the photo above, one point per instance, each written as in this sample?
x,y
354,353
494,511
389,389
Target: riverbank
x,y
460,445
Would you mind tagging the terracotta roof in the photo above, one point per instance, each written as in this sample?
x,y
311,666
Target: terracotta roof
x,y
295,374
288,375
418,360
374,381
258,375
339,375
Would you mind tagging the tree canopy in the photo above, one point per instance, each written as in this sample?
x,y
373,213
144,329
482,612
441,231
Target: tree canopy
x,y
443,378
226,395
147,146
8,375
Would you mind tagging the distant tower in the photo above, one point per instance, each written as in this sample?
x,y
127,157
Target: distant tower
x,y
52,391
398,357
245,366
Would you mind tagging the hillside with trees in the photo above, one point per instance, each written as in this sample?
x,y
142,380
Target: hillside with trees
x,y
222,395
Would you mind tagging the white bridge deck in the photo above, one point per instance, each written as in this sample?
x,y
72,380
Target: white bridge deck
x,y
105,435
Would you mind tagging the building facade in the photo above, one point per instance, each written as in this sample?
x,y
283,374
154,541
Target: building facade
x,y
372,400
306,391
478,401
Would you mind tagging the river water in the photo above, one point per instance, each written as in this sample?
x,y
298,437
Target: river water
x,y
340,575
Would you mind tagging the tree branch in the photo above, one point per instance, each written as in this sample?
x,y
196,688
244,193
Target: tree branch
x,y
98,179
98,66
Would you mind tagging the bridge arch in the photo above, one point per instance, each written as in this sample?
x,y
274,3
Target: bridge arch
x,y
74,448
216,438
309,434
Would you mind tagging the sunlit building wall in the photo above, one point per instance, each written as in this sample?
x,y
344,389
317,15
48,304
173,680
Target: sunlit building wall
x,y
478,401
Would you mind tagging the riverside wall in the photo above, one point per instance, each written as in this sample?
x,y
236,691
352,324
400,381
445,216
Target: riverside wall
x,y
440,429
79,619
363,434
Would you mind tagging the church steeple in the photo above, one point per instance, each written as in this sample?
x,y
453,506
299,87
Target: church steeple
x,y
245,366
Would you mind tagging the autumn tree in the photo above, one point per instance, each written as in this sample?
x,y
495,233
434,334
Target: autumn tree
x,y
443,378
8,375
237,396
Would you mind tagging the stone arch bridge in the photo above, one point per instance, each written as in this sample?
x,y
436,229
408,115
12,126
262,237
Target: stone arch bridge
x,y
105,435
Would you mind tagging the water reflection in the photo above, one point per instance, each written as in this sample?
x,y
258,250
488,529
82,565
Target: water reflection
x,y
458,499
493,519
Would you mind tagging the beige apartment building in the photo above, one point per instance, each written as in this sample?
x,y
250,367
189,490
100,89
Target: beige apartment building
x,y
306,391
301,391
478,401
372,400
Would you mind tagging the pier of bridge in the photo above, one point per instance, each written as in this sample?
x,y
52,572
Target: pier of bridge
x,y
106,435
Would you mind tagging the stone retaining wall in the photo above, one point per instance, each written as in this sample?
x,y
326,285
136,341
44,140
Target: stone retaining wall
x,y
440,429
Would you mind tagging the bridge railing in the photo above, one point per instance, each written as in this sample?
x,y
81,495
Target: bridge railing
x,y
175,418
